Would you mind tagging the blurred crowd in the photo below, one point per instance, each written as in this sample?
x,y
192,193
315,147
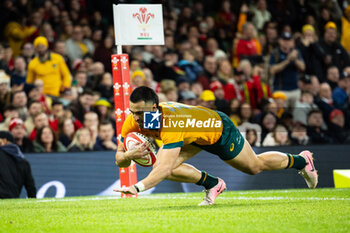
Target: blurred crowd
x,y
279,69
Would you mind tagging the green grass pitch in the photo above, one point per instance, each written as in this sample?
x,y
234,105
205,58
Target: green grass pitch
x,y
296,210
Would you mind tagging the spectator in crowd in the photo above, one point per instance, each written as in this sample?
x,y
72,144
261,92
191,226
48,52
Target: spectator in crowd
x,y
15,171
5,90
286,62
341,93
91,122
82,105
9,112
171,94
280,99
27,52
104,110
66,130
81,141
137,79
16,33
49,67
325,101
225,71
40,120
261,14
105,87
183,83
188,97
34,107
97,70
303,107
32,92
219,93
77,46
268,123
332,77
19,101
18,131
234,113
44,99
345,36
19,73
330,51
252,137
315,132
80,81
207,99
60,48
209,72
212,49
188,64
336,127
305,83
46,141
104,52
197,88
106,139
248,47
245,113
307,47
279,137
271,34
252,89
299,135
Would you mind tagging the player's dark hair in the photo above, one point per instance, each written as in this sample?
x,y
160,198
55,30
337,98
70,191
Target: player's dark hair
x,y
144,94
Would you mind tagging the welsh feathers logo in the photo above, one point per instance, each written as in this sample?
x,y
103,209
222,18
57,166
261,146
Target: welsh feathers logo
x,y
143,17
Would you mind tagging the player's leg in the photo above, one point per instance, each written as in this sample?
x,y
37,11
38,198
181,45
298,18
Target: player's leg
x,y
248,162
187,173
184,172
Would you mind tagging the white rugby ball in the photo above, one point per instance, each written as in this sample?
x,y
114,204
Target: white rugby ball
x,y
132,139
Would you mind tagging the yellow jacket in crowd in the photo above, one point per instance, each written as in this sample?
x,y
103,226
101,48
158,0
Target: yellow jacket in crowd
x,y
345,37
16,34
54,73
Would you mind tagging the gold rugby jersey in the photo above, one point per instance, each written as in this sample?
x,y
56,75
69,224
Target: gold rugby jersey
x,y
181,125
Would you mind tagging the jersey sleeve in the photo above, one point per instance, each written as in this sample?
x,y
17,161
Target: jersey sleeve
x,y
172,139
129,126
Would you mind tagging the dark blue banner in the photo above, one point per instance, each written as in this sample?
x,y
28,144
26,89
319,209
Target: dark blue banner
x,y
95,173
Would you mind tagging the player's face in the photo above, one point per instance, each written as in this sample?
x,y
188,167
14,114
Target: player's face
x,y
138,108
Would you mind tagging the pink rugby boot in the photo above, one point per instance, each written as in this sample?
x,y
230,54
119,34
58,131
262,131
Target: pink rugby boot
x,y
309,172
211,194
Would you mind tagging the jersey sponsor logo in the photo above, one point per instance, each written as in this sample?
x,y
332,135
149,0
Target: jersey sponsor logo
x,y
232,147
191,123
151,120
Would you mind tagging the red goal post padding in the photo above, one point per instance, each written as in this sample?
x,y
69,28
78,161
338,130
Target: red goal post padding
x,y
122,90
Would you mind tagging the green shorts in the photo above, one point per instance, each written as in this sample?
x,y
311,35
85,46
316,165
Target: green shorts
x,y
231,142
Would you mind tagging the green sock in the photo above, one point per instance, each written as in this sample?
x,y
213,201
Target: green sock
x,y
207,180
296,161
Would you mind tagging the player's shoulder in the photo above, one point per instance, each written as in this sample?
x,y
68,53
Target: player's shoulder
x,y
129,119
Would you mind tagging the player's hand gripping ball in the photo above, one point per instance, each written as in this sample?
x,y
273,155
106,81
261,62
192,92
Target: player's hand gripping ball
x,y
133,139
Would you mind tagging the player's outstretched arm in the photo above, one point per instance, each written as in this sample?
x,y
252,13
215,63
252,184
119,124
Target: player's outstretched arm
x,y
123,158
167,159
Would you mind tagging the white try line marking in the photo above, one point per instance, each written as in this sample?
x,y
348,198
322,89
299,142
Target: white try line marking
x,y
189,198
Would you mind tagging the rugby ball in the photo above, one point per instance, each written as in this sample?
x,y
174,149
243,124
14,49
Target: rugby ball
x,y
133,139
